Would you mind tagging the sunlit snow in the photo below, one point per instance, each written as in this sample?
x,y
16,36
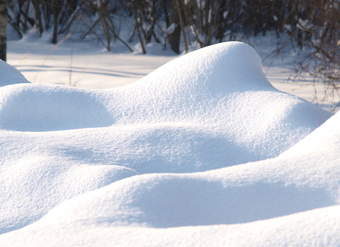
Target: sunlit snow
x,y
201,152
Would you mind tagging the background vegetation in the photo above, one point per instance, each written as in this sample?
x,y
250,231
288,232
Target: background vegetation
x,y
312,25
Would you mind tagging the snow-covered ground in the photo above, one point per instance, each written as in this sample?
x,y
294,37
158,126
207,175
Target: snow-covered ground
x,y
80,65
202,151
85,65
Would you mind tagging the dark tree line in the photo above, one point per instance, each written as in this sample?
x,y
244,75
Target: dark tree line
x,y
3,24
179,24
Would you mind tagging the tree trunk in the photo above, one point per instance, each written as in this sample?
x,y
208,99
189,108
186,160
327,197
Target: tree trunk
x,y
174,38
179,8
3,27
38,16
56,14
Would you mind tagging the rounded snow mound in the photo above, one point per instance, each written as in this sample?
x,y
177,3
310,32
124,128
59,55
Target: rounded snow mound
x,y
10,75
220,68
221,90
42,181
282,186
189,200
318,228
325,138
47,108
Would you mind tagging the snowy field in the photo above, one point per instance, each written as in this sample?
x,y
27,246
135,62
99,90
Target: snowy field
x,y
202,151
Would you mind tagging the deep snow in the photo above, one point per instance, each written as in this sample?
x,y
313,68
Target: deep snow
x,y
163,161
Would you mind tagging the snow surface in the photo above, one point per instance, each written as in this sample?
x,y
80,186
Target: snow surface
x,y
87,65
10,75
80,64
163,161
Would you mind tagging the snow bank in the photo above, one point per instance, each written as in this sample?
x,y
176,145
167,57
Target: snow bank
x,y
39,108
289,200
177,200
10,75
285,185
318,228
75,165
325,139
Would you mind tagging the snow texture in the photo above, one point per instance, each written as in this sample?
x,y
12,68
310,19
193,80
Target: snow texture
x,y
201,152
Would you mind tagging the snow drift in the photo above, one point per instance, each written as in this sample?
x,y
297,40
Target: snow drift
x,y
10,75
75,159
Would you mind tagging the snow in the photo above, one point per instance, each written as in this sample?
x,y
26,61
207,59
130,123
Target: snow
x,y
85,65
80,64
202,151
10,75
295,230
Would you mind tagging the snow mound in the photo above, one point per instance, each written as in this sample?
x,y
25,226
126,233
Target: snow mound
x,y
220,88
10,75
318,228
177,200
33,184
289,200
36,108
285,185
154,158
325,139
